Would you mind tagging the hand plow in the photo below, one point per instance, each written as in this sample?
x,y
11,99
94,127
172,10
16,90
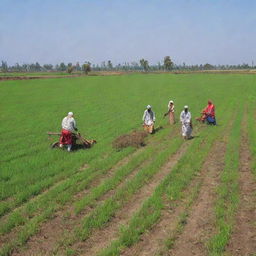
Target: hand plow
x,y
78,142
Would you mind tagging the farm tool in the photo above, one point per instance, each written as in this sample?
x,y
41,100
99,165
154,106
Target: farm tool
x,y
202,118
78,142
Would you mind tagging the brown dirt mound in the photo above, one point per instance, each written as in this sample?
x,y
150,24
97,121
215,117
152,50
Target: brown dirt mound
x,y
133,139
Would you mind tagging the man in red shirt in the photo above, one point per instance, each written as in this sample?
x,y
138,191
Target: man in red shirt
x,y
209,113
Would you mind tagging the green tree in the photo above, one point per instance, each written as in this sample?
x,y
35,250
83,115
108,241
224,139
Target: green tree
x,y
70,69
38,67
78,68
168,64
4,66
62,66
86,67
144,64
208,66
110,65
48,67
18,67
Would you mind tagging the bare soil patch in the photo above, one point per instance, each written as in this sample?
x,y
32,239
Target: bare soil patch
x,y
29,77
5,78
243,240
115,73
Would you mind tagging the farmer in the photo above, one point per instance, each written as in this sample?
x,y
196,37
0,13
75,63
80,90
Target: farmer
x,y
185,119
209,113
68,127
170,112
148,120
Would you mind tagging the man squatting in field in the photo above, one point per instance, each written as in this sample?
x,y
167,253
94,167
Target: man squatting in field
x,y
185,119
209,112
148,120
68,127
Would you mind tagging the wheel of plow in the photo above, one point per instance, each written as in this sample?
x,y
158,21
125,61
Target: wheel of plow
x,y
55,145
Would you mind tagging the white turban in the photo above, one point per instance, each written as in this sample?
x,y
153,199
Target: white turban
x,y
148,106
70,114
186,107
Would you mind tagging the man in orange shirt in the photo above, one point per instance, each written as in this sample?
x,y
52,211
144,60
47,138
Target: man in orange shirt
x,y
209,113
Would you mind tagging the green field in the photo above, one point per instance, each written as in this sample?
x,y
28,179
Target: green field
x,y
101,201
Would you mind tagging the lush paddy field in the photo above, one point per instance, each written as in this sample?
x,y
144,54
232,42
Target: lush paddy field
x,y
171,197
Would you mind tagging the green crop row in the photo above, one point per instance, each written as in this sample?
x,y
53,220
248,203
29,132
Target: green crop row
x,y
52,181
105,211
63,192
252,138
172,186
49,175
14,187
170,241
81,179
120,175
52,178
31,162
34,178
182,220
227,192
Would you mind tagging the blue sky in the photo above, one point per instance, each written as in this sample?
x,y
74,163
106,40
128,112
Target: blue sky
x,y
190,31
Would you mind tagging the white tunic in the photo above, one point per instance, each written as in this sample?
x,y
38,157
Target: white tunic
x,y
68,123
148,117
185,119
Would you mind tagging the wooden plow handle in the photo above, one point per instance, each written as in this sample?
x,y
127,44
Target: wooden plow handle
x,y
54,133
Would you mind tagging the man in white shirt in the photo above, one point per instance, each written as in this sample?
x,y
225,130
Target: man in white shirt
x,y
68,127
185,119
149,120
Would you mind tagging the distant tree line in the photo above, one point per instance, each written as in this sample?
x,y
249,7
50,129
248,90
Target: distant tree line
x,y
142,65
36,67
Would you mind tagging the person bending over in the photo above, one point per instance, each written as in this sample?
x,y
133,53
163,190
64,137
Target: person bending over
x,y
149,120
68,127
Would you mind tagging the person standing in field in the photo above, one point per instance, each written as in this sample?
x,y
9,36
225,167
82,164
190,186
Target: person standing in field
x,y
170,112
186,121
149,120
68,127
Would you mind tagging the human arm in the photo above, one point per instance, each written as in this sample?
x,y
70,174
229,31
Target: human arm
x,y
181,117
143,117
165,114
73,123
191,124
154,117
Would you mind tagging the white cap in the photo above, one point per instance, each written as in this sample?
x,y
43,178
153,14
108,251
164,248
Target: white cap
x,y
171,101
185,106
70,114
148,106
